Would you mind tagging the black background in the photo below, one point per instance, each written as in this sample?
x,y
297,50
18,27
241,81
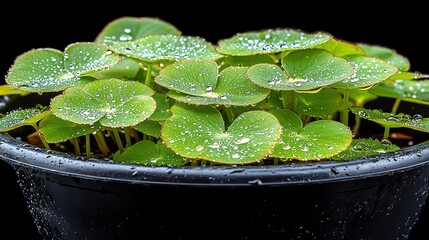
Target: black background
x,y
26,26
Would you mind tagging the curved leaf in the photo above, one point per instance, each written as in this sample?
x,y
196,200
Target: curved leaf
x,y
248,139
386,54
131,28
148,153
22,117
316,141
368,71
197,82
341,48
305,70
49,70
270,41
113,102
158,48
365,148
416,122
55,130
411,91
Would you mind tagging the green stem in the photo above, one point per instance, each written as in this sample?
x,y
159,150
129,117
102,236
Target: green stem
x,y
229,114
393,111
276,161
148,80
356,127
118,139
127,137
203,162
102,143
345,113
88,145
45,144
76,146
289,100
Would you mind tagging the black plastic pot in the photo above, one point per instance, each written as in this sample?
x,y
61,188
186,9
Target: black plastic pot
x,y
370,198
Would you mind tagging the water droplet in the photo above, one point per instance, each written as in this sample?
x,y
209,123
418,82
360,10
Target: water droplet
x,y
235,155
255,182
386,141
334,170
243,140
417,117
419,153
199,148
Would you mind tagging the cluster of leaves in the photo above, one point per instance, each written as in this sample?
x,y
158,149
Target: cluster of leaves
x,y
166,99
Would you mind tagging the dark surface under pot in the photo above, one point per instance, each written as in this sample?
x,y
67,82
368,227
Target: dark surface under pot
x,y
319,201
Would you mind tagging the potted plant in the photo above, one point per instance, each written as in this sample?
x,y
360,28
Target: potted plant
x,y
147,134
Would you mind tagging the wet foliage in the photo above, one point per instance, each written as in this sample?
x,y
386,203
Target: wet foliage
x,y
143,93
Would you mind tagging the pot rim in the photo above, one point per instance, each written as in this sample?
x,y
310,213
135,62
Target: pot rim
x,y
20,154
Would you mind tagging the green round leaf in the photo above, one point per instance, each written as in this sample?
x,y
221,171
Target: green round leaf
x,y
305,70
315,68
85,58
412,91
158,48
386,54
341,48
113,102
148,153
148,127
365,148
22,117
198,132
55,130
197,82
368,71
317,140
131,28
270,41
416,122
49,70
324,102
196,77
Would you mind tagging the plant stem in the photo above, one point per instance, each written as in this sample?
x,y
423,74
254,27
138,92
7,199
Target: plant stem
x,y
276,161
345,113
289,100
45,144
356,127
229,114
118,139
148,80
88,145
102,143
76,146
203,162
127,137
393,111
